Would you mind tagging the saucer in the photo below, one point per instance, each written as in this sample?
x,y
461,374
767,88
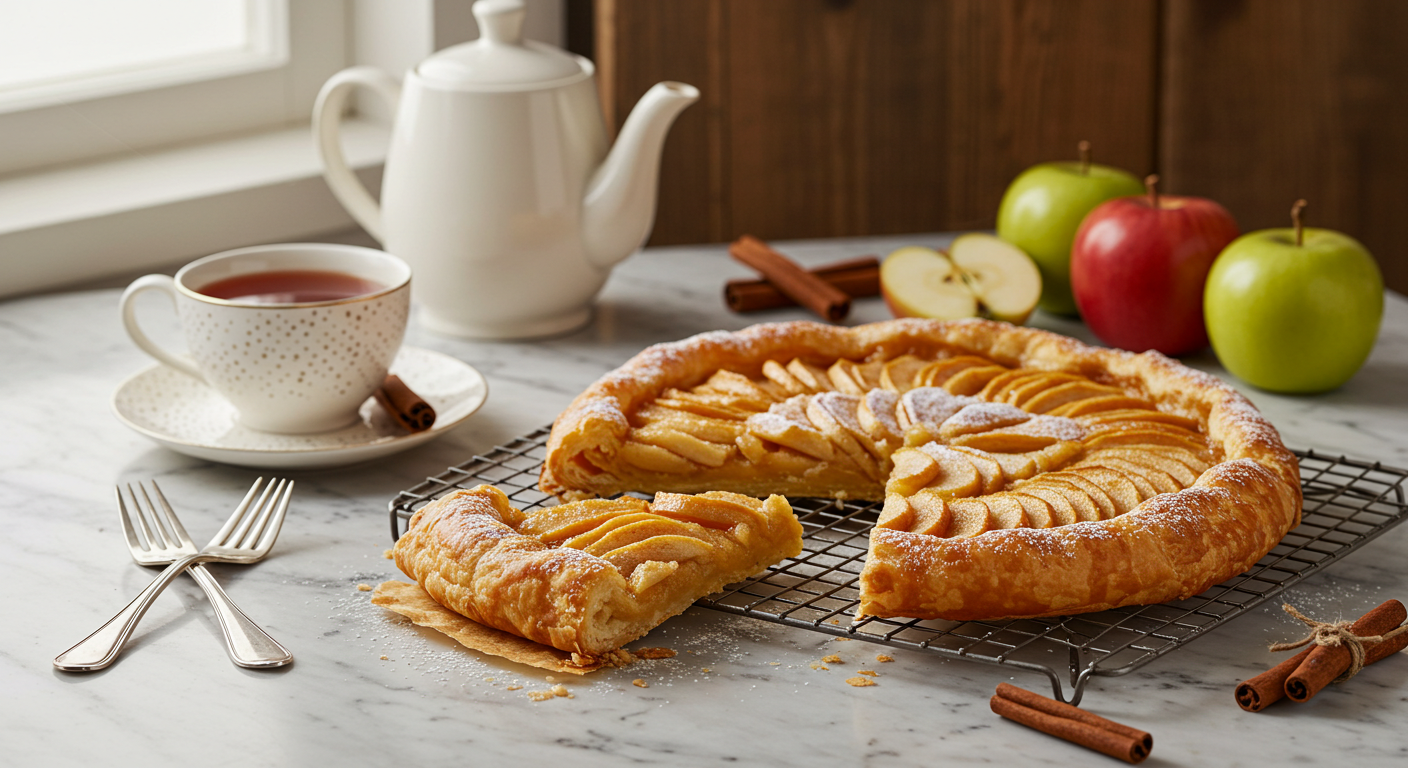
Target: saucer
x,y
187,416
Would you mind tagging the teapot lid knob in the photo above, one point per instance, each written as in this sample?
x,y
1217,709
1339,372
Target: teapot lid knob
x,y
500,21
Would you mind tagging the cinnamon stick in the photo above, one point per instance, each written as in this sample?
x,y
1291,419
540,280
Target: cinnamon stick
x,y
791,280
1072,724
1324,663
853,277
1269,687
405,406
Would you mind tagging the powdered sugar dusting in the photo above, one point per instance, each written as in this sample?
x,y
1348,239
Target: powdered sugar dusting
x,y
980,417
932,406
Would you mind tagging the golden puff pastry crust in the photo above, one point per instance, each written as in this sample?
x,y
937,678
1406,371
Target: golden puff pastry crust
x,y
1023,473
588,577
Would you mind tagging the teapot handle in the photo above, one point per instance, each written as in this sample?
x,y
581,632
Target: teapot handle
x,y
327,122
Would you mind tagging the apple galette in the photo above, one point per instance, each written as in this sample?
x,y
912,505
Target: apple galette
x,y
1023,473
589,576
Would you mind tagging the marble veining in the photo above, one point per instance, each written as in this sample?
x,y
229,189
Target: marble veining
x,y
740,691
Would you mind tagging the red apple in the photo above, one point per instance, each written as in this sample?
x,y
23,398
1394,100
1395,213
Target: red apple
x,y
1138,267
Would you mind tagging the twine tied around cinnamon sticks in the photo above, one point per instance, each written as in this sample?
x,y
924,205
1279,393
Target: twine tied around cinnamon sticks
x,y
1338,634
1327,655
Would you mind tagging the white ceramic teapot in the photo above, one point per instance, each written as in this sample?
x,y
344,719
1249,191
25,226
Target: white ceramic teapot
x,y
499,190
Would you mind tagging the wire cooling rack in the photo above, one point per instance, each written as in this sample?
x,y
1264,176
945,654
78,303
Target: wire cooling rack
x,y
1347,504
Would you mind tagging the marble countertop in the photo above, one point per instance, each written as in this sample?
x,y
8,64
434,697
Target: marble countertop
x,y
368,689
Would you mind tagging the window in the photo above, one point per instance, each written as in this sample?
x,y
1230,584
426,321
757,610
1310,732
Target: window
x,y
83,79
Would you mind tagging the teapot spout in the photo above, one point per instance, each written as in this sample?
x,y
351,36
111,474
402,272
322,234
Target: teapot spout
x,y
619,208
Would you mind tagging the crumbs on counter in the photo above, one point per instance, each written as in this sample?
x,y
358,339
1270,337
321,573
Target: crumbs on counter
x,y
540,695
389,554
514,688
383,657
654,653
882,658
639,683
867,672
859,682
706,669
364,587
561,690
819,666
832,659
842,639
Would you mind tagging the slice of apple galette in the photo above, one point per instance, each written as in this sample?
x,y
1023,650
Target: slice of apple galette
x,y
1022,473
587,577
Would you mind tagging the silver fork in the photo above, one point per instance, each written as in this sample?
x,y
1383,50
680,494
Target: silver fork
x,y
246,537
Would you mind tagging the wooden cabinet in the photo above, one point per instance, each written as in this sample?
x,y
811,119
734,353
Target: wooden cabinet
x,y
824,118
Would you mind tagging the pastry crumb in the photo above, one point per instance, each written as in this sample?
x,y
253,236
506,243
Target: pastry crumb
x,y
639,683
869,672
859,682
488,679
882,658
389,554
550,679
774,663
514,688
540,695
561,690
706,669
383,658
832,659
819,666
654,653
364,587
841,639
836,621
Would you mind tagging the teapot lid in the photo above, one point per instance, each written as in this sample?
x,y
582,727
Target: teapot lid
x,y
501,60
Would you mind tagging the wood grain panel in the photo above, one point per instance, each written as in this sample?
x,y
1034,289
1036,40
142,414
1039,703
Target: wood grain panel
x,y
639,43
911,115
1265,101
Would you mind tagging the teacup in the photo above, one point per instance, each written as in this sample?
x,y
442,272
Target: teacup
x,y
304,336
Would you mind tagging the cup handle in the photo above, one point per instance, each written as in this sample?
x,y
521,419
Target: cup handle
x,y
181,363
327,122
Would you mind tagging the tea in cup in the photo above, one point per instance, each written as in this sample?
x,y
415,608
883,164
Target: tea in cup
x,y
295,336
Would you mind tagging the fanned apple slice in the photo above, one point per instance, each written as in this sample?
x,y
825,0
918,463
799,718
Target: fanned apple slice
x,y
1104,502
936,373
1161,480
913,469
712,405
1098,404
653,458
1038,511
717,510
703,427
737,385
972,380
971,517
590,538
1005,442
932,514
897,514
981,417
993,478
1001,275
876,415
899,374
692,448
1028,389
1146,489
1121,490
1142,437
957,475
1141,414
1084,506
1000,384
1062,513
1056,455
1007,512
813,377
555,524
1179,470
778,374
1069,392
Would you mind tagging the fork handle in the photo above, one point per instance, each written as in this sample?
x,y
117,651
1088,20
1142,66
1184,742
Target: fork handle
x,y
101,648
248,645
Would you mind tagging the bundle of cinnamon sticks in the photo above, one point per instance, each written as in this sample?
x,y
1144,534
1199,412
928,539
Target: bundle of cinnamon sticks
x,y
826,290
1307,673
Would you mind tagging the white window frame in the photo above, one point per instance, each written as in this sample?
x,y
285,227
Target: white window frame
x,y
146,204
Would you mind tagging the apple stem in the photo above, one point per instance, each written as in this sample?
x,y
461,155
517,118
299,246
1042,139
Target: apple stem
x,y
1295,220
1151,184
1084,149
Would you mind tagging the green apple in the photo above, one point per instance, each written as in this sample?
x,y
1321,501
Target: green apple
x,y
1043,208
1290,314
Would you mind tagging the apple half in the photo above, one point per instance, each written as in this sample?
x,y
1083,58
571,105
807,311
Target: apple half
x,y
980,276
